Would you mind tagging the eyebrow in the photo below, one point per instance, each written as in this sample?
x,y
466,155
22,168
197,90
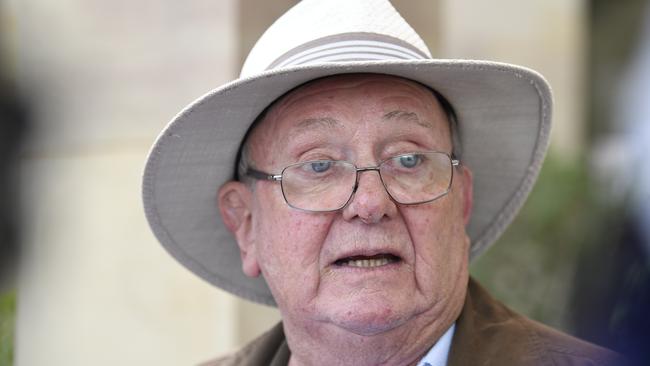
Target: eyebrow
x,y
314,123
407,116
324,121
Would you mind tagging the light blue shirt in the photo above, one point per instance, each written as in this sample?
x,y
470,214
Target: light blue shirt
x,y
437,355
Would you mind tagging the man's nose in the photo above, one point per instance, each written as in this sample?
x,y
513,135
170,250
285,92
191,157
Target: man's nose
x,y
370,201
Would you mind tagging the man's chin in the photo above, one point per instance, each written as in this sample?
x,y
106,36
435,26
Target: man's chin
x,y
368,327
369,318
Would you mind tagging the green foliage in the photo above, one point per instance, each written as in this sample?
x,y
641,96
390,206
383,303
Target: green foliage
x,y
532,267
7,320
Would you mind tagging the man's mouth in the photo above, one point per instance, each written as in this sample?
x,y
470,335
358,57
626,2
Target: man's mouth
x,y
363,261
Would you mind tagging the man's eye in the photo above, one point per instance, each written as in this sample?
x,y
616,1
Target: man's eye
x,y
409,161
320,166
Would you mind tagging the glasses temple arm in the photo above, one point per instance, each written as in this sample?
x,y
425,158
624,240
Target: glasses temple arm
x,y
256,174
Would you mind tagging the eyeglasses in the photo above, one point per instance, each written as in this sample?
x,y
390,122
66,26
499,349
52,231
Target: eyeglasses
x,y
328,185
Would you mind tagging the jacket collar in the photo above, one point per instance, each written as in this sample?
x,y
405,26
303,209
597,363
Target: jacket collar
x,y
485,328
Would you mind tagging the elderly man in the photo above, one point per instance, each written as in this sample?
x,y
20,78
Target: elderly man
x,y
358,176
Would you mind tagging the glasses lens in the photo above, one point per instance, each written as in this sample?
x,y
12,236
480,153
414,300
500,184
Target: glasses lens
x,y
319,185
418,177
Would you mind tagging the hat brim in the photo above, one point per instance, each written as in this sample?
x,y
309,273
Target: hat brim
x,y
504,114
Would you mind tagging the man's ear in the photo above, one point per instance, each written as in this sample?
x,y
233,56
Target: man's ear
x,y
468,193
235,206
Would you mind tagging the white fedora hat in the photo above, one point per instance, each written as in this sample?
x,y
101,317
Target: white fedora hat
x,y
504,118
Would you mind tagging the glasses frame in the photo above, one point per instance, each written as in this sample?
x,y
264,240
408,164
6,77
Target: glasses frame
x,y
260,175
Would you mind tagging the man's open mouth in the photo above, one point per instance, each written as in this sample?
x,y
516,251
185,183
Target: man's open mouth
x,y
367,261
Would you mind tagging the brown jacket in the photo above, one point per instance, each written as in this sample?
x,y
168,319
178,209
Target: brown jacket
x,y
487,333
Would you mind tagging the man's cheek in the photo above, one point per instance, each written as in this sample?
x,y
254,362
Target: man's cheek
x,y
427,221
298,234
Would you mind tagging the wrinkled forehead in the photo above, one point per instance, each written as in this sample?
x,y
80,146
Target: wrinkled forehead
x,y
322,90
316,98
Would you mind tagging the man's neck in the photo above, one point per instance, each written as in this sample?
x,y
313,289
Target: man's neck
x,y
402,345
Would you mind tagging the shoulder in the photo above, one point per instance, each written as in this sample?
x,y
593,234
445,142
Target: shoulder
x,y
488,332
260,351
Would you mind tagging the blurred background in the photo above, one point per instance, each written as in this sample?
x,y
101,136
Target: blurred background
x,y
86,86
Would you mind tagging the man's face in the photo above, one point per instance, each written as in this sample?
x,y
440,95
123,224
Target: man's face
x,y
362,119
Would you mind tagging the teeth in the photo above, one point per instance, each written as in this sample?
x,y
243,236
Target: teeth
x,y
367,263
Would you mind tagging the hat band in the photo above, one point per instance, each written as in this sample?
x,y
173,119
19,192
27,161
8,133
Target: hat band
x,y
349,47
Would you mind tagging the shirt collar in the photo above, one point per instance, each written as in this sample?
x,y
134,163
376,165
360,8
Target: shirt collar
x,y
437,355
